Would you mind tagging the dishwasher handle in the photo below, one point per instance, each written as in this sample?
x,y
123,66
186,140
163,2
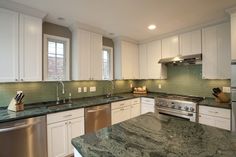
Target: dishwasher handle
x,y
17,127
96,110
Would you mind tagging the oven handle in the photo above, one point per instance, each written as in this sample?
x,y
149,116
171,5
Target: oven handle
x,y
181,113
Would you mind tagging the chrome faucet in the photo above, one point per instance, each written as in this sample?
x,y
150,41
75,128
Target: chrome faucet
x,y
109,94
63,92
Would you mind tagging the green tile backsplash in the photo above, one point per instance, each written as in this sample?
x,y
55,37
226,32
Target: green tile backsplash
x,y
181,80
186,80
46,91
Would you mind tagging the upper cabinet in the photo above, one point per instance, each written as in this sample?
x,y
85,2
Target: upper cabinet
x,y
149,55
216,56
126,60
190,43
20,46
233,37
86,55
170,47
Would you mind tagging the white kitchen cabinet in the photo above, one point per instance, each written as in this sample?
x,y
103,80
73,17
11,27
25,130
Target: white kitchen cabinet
x,y
86,55
8,46
155,69
120,114
126,60
143,61
149,55
216,55
170,47
61,128
30,48
233,37
135,108
20,46
190,43
147,105
216,117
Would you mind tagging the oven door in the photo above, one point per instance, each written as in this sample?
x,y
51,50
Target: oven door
x,y
177,113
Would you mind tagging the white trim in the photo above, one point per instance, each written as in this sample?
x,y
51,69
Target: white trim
x,y
112,61
45,58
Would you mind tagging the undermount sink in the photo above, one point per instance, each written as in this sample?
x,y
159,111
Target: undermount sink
x,y
114,97
58,107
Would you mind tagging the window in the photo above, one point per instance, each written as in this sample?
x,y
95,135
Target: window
x,y
56,58
107,63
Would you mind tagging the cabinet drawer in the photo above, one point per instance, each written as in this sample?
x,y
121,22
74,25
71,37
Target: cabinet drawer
x,y
62,116
135,101
213,111
120,104
148,100
218,122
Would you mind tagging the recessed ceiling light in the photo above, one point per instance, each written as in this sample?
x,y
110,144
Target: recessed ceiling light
x,y
152,27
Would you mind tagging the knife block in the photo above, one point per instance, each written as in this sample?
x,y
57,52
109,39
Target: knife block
x,y
14,106
222,98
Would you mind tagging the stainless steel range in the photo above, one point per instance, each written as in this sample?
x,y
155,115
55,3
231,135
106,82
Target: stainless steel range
x,y
178,105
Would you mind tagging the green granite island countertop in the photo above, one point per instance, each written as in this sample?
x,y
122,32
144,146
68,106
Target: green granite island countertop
x,y
150,136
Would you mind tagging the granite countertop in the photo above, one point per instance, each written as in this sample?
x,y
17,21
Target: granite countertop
x,y
212,103
149,136
33,110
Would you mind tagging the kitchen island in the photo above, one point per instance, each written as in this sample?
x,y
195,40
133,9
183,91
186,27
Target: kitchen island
x,y
151,136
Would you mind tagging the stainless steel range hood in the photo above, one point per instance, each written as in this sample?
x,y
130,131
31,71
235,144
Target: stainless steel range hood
x,y
190,59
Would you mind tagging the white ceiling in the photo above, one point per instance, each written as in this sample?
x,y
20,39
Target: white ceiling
x,y
130,18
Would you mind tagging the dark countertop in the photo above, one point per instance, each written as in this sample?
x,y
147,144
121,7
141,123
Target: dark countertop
x,y
212,103
148,136
33,110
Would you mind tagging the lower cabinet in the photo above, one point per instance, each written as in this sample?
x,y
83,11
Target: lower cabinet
x,y
216,117
124,110
61,128
147,105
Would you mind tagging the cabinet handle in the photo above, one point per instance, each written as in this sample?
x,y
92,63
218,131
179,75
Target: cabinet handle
x,y
16,79
122,109
65,123
68,116
212,112
122,104
70,122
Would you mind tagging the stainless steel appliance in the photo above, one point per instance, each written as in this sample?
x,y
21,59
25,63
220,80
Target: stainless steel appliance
x,y
97,117
233,95
178,105
24,138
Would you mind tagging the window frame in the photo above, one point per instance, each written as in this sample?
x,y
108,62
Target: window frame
x,y
112,62
66,42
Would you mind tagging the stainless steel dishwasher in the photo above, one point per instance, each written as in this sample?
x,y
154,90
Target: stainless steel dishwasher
x,y
97,117
24,138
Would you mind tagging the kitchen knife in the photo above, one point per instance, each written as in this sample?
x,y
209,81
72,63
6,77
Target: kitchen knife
x,y
215,95
21,98
18,98
218,90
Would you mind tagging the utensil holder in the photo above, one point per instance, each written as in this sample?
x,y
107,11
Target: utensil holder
x,y
222,98
14,106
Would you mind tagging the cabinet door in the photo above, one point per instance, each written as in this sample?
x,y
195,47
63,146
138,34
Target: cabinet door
x,y
143,72
209,53
8,46
170,47
190,43
135,110
224,53
155,70
145,108
57,139
96,56
207,120
84,44
30,48
75,129
120,115
233,37
134,61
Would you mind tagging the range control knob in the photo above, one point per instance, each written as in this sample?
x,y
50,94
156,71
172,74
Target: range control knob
x,y
173,106
186,108
179,107
191,109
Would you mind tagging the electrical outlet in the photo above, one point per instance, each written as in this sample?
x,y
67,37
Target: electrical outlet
x,y
159,86
131,85
85,89
79,90
92,89
226,89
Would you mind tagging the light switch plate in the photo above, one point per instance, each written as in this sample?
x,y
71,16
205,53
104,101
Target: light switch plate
x,y
226,89
79,90
92,89
159,86
85,89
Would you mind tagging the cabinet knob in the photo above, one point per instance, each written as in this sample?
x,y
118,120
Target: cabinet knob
x,y
16,79
22,79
